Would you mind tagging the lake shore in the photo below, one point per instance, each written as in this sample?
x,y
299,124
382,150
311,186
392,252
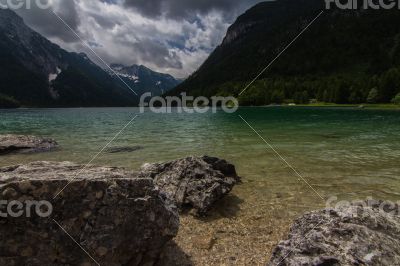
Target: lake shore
x,y
233,233
334,105
378,106
359,106
348,153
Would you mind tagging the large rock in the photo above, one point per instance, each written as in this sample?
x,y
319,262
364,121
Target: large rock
x,y
25,144
193,182
117,218
347,235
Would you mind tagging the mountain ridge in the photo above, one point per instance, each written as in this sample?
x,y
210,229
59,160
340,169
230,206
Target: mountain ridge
x,y
343,57
145,79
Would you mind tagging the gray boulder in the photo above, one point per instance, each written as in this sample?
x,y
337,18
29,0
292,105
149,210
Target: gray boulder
x,y
117,218
364,233
194,182
25,144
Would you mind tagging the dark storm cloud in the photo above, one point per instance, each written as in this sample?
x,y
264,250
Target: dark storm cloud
x,y
179,9
172,36
44,20
158,54
151,8
105,22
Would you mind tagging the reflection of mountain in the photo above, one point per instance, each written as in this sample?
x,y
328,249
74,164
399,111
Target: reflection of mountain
x,y
341,58
142,79
36,72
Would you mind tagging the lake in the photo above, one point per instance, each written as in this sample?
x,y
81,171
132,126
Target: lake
x,y
342,152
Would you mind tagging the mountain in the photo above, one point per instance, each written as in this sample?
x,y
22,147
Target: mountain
x,y
345,56
37,73
143,79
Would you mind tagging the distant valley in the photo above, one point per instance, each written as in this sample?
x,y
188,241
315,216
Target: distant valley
x,y
143,79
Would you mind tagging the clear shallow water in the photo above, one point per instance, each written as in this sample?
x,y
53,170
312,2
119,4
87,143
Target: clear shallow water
x,y
348,153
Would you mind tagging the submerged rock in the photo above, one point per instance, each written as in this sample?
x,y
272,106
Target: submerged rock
x,y
193,182
352,235
123,149
25,144
117,218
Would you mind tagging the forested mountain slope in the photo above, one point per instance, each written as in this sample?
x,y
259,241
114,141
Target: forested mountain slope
x,y
346,56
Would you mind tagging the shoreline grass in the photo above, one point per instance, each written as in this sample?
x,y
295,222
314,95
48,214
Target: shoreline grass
x,y
361,106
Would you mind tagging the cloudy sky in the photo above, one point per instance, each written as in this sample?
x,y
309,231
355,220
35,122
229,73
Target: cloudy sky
x,y
171,36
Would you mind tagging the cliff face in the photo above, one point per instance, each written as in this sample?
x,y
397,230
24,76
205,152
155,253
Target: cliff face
x,y
235,31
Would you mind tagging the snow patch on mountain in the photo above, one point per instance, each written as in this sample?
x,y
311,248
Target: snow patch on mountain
x,y
54,76
131,77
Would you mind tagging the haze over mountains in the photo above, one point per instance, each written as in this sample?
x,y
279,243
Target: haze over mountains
x,y
37,73
346,56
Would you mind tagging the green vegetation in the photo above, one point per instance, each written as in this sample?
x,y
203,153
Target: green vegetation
x,y
361,106
336,89
396,99
8,102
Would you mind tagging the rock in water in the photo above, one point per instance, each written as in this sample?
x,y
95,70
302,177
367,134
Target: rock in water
x,y
25,144
123,149
117,218
193,182
352,235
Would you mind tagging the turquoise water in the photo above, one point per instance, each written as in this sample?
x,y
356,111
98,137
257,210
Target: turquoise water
x,y
349,153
